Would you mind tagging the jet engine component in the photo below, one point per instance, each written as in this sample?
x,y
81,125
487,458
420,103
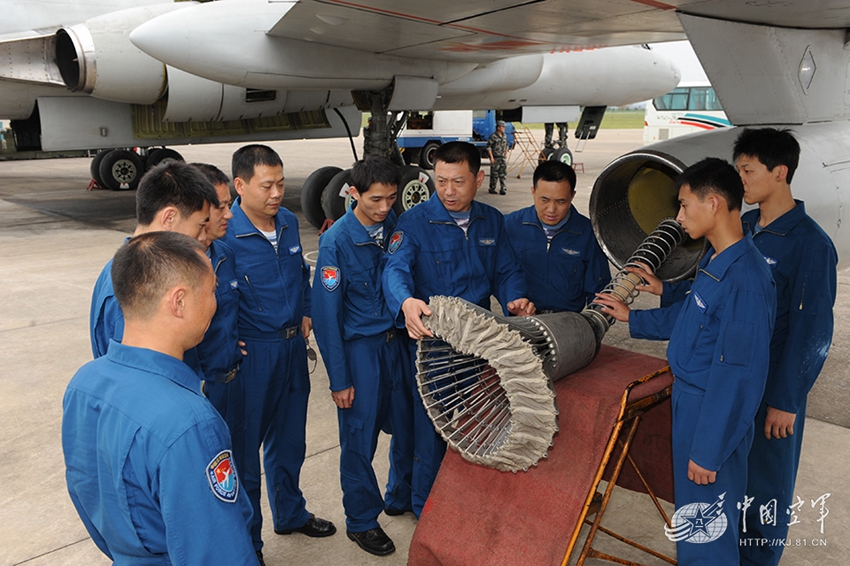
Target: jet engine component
x,y
487,381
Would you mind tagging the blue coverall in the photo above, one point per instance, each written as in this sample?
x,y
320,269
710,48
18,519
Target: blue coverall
x,y
429,254
106,321
219,354
563,274
360,346
719,353
148,463
274,296
803,261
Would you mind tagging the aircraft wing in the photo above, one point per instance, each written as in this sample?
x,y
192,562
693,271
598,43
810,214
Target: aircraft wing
x,y
474,31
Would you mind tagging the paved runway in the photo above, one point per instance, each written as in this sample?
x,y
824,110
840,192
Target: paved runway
x,y
54,239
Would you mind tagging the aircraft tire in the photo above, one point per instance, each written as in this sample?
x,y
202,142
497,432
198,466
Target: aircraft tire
x,y
120,170
94,167
426,155
336,197
161,155
545,155
311,194
563,155
415,187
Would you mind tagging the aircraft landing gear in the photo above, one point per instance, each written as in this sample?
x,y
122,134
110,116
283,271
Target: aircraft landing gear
x,y
122,169
325,194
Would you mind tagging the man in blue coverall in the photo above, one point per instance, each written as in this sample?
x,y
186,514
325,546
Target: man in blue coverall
x,y
148,461
274,319
803,261
365,356
172,196
719,353
563,265
220,352
456,246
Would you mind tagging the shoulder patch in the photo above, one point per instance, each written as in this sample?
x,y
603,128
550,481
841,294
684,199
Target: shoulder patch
x,y
222,477
395,241
330,277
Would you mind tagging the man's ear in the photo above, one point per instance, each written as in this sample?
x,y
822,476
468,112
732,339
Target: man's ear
x,y
177,301
355,194
780,173
239,185
479,179
167,217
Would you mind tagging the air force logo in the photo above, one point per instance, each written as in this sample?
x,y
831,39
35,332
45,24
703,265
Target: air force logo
x,y
222,477
487,241
330,278
395,241
698,522
294,250
770,261
571,252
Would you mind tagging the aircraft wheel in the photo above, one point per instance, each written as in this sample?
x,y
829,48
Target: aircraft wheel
x,y
336,197
311,194
415,187
545,154
426,156
121,170
94,167
563,155
161,155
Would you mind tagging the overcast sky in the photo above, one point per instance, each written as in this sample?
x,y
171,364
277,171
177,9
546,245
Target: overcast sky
x,y
683,55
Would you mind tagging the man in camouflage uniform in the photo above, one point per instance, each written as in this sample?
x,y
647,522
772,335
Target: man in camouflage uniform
x,y
497,147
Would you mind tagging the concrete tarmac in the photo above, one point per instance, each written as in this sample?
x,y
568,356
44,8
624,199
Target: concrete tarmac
x,y
55,238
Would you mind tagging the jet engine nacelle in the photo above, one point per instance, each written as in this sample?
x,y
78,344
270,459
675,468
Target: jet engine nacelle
x,y
635,191
96,57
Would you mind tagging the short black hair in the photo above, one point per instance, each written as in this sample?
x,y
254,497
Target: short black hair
x,y
213,174
713,176
149,264
373,170
246,158
459,152
173,183
555,171
771,146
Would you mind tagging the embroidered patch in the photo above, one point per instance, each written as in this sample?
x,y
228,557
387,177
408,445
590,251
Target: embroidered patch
x,y
771,261
700,303
568,251
487,241
234,284
222,477
395,241
294,250
330,278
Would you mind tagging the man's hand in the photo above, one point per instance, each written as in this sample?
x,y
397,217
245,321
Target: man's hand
x,y
241,345
521,307
413,310
653,283
343,399
613,306
778,424
700,475
306,326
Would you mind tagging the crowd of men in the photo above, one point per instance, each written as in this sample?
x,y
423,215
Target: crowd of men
x,y
162,432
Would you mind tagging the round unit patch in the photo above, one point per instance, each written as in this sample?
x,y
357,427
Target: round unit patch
x,y
222,477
